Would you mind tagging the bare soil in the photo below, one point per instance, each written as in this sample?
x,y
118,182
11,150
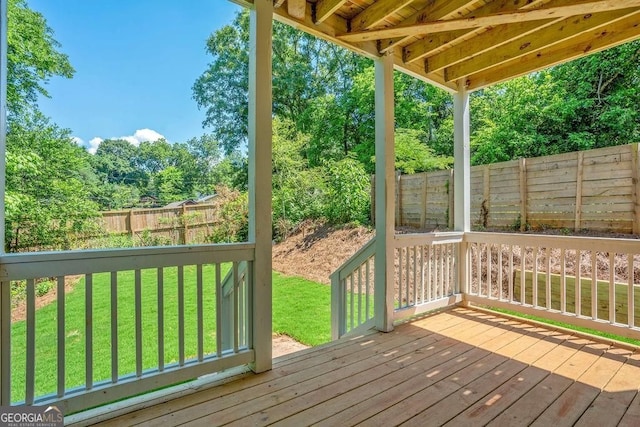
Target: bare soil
x,y
284,344
19,311
314,251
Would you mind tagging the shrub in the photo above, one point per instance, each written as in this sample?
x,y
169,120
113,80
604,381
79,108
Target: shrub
x,y
233,224
348,198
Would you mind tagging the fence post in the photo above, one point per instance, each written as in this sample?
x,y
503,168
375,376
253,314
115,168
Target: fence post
x,y
636,188
451,195
185,228
129,223
579,175
523,194
423,201
398,198
373,199
486,195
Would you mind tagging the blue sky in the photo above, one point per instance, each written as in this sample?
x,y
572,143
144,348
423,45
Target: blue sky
x,y
135,63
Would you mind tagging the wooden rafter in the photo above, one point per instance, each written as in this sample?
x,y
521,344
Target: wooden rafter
x,y
556,33
432,12
375,14
593,41
420,49
297,8
485,42
466,43
325,8
542,13
430,44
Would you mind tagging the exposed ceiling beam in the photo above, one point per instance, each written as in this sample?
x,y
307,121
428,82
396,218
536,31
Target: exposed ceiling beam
x,y
326,8
590,42
376,14
430,44
297,8
556,33
420,49
417,71
542,13
491,39
432,12
327,29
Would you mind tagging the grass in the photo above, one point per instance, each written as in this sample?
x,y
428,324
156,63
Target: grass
x,y
568,326
301,309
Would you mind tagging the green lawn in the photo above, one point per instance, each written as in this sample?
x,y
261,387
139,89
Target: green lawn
x,y
301,309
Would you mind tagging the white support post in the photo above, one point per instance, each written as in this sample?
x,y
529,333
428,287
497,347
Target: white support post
x,y
384,193
5,291
260,139
462,180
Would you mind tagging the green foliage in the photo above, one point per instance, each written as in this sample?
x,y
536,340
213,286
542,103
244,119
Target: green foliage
x,y
233,208
168,172
115,196
348,198
413,156
32,58
169,184
324,132
115,162
47,201
584,104
298,189
19,290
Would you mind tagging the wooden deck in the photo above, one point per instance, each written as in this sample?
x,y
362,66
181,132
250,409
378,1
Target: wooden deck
x,y
457,367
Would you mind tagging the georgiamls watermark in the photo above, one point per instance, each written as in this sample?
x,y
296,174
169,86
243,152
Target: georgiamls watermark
x,y
31,416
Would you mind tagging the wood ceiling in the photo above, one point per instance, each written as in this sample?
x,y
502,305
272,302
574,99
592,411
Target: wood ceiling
x,y
471,43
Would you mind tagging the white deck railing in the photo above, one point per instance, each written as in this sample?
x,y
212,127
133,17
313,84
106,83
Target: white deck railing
x,y
352,301
425,278
588,282
425,272
149,318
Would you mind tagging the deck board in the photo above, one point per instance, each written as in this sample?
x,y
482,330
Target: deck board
x,y
459,366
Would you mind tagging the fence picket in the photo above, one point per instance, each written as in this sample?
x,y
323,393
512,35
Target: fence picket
x,y
596,189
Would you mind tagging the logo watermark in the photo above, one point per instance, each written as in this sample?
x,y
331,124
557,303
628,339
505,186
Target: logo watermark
x,y
31,416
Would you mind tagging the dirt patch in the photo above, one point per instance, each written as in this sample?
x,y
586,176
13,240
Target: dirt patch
x,y
315,251
284,344
19,311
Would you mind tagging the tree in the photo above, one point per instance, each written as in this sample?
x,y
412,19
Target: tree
x,y
584,104
32,58
116,160
348,198
47,200
298,188
304,69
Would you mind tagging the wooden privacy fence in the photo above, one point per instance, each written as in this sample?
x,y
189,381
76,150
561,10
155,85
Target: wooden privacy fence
x,y
181,225
595,190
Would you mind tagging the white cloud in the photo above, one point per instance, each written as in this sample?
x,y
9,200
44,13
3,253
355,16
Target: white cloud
x,y
93,144
139,136
142,135
77,141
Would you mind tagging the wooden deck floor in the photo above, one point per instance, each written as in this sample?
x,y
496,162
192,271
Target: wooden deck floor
x,y
458,367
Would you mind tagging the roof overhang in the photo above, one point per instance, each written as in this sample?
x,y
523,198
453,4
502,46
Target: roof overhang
x,y
467,43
